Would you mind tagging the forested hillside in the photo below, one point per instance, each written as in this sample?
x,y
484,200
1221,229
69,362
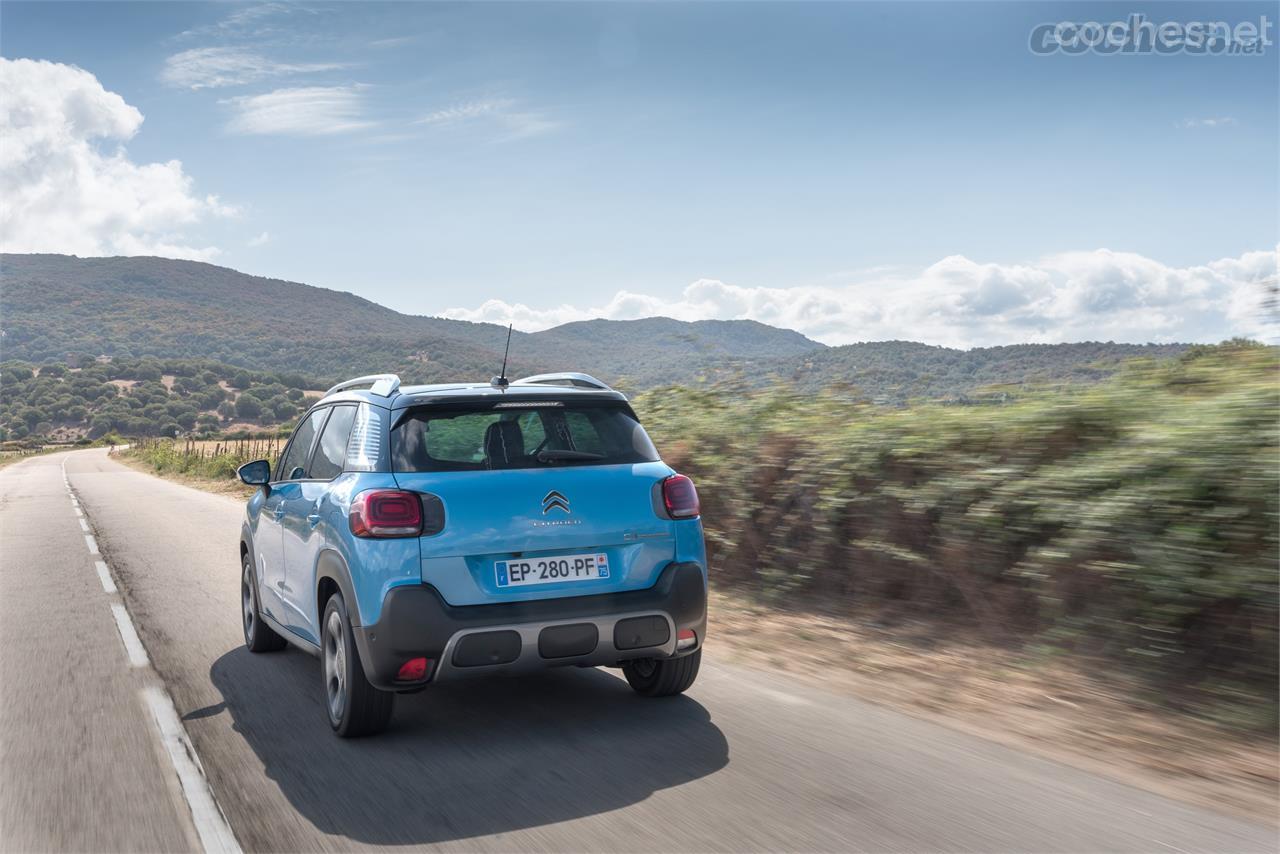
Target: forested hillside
x,y
145,397
899,371
62,309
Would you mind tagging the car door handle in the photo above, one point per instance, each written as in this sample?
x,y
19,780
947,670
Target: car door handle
x,y
314,519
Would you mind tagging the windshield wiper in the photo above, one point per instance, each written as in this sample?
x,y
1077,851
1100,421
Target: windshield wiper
x,y
554,454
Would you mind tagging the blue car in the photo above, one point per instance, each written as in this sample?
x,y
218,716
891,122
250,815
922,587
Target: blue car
x,y
409,535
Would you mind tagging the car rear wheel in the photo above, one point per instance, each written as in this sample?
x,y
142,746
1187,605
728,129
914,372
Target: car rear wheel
x,y
662,677
355,707
258,636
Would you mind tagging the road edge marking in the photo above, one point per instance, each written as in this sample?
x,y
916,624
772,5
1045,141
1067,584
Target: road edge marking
x,y
104,575
211,825
129,635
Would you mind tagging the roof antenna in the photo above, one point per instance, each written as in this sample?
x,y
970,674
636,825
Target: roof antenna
x,y
501,381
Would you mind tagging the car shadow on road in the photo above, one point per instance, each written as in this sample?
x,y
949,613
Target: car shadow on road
x,y
469,758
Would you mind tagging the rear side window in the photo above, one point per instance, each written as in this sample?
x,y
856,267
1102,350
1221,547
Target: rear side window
x,y
293,465
331,453
479,438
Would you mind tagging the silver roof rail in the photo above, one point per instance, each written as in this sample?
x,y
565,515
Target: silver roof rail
x,y
383,385
568,378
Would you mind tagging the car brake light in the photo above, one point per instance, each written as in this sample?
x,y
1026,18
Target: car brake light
x,y
386,513
680,497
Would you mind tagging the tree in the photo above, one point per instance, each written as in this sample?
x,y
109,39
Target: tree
x,y
226,409
282,408
248,406
100,426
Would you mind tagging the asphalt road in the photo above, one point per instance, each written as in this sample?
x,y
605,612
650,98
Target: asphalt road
x,y
567,761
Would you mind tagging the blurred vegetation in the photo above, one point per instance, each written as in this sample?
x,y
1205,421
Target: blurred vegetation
x,y
1134,521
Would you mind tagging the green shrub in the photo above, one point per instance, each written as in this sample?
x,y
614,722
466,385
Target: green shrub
x,y
1134,520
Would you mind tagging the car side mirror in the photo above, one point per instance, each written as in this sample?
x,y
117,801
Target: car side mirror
x,y
256,473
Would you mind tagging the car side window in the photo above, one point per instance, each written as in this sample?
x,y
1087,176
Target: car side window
x,y
331,453
294,464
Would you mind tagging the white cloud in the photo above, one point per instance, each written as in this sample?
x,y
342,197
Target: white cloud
x,y
213,67
511,123
261,240
1221,121
67,182
245,20
300,111
464,111
1075,296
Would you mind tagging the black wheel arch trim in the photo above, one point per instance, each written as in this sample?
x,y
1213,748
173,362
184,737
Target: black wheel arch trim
x,y
332,567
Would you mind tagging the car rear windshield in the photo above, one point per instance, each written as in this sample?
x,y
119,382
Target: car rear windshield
x,y
514,435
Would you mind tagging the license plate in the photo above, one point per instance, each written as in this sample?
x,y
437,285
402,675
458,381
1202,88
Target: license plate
x,y
551,569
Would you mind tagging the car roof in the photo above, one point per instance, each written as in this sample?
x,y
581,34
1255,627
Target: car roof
x,y
417,395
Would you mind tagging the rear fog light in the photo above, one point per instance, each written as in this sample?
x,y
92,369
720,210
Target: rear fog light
x,y
413,670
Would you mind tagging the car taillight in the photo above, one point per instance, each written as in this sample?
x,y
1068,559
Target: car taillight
x,y
680,498
386,513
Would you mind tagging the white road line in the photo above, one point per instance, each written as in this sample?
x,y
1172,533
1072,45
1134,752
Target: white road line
x,y
104,575
211,825
91,543
132,644
84,526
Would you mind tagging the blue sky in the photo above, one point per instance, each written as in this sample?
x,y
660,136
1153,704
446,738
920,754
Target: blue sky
x,y
543,162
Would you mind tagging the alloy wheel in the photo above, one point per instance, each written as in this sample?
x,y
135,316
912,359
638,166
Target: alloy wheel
x,y
247,597
335,666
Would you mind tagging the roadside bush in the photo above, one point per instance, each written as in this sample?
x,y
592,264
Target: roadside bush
x,y
1135,520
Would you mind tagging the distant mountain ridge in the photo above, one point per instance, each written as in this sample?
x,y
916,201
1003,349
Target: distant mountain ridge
x,y
55,308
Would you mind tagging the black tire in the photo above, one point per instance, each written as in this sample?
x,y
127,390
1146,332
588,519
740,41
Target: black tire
x,y
662,677
354,706
258,636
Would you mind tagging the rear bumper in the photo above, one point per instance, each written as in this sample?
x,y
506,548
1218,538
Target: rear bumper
x,y
581,630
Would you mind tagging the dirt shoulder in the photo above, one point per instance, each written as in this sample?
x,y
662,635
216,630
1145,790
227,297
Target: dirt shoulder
x,y
1051,707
